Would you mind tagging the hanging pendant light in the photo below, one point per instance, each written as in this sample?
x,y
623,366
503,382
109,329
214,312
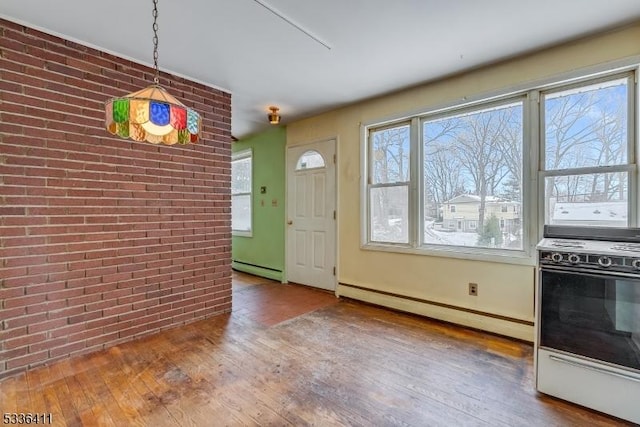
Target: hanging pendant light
x,y
152,114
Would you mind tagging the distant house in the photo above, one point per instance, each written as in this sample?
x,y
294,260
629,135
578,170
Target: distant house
x,y
462,213
604,214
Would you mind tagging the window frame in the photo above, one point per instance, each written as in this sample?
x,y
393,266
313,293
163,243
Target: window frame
x,y
531,210
371,185
416,243
237,156
478,252
630,167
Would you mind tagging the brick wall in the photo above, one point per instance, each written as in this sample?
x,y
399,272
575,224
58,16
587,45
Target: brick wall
x,y
102,240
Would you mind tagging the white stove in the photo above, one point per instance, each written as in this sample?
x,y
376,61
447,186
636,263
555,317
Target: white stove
x,y
603,255
588,318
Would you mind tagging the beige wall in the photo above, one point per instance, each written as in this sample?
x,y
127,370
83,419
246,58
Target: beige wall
x,y
504,289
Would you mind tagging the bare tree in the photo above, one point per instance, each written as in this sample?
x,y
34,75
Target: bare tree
x,y
443,177
480,153
610,149
586,129
443,173
391,155
511,144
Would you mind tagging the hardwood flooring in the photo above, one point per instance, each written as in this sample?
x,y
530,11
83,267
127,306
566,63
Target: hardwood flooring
x,y
292,355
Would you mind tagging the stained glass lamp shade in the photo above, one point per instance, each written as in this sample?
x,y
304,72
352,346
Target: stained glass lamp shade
x,y
152,115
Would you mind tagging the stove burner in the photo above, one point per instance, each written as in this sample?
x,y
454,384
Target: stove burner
x,y
628,247
570,244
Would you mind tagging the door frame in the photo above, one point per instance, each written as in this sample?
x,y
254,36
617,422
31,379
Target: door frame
x,y
335,139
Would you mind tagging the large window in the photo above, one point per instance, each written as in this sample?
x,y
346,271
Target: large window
x,y
479,179
472,163
241,185
587,143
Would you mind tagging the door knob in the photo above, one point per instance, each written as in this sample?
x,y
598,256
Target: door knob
x,y
290,222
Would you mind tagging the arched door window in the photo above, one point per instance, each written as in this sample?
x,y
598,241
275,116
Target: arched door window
x,y
310,160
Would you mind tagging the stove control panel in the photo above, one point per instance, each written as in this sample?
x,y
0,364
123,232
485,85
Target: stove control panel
x,y
590,261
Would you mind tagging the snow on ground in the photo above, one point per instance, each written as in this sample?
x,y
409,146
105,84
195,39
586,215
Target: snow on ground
x,y
435,234
432,235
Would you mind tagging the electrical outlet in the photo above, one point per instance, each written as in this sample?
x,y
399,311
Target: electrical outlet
x,y
473,289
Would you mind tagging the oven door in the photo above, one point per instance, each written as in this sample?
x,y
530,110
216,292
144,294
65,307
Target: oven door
x,y
591,314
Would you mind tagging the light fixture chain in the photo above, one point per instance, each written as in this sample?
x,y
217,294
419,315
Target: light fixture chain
x,y
156,77
151,114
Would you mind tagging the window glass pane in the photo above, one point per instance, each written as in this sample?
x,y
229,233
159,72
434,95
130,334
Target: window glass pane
x,y
587,200
241,212
241,176
390,214
390,152
473,178
310,159
586,126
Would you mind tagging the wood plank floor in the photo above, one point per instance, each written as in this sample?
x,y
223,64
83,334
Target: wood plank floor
x,y
291,355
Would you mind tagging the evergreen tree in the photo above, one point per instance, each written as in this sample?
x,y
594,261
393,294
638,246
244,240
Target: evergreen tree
x,y
490,233
511,190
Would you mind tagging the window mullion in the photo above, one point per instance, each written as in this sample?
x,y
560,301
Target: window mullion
x,y
532,208
633,97
415,207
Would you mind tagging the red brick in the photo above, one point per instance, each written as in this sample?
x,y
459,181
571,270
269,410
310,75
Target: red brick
x,y
93,222
84,318
9,210
83,282
65,331
24,301
45,345
102,339
65,312
27,360
46,326
6,293
46,268
99,323
67,349
65,275
116,310
24,340
84,299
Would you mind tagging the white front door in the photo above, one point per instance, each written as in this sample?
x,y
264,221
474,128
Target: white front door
x,y
311,201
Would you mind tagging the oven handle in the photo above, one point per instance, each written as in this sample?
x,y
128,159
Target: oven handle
x,y
593,368
586,271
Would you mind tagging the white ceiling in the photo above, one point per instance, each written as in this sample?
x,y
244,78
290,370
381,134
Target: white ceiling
x,y
377,46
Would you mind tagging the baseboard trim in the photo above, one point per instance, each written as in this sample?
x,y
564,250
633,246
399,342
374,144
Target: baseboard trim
x,y
257,270
491,322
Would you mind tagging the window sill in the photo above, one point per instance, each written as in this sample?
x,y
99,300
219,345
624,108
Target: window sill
x,y
236,233
471,254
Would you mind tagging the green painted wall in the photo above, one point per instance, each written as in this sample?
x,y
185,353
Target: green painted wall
x,y
263,253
